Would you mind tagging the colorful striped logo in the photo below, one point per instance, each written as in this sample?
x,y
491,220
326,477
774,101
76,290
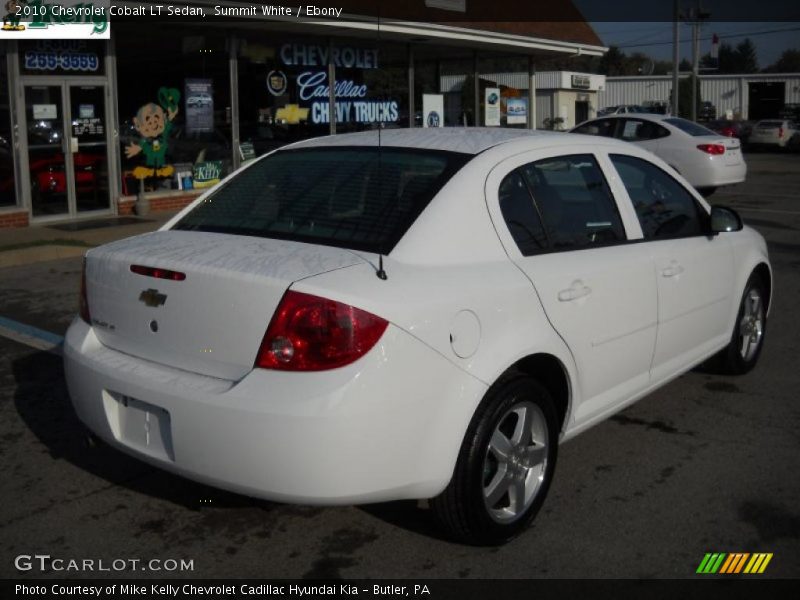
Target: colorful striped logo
x,y
734,562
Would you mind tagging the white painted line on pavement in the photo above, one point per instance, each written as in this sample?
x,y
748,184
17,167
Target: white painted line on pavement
x,y
31,336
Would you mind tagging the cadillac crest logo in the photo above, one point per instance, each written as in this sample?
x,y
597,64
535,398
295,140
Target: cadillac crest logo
x,y
277,83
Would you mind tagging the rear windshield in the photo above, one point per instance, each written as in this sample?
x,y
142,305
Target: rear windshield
x,y
689,127
363,198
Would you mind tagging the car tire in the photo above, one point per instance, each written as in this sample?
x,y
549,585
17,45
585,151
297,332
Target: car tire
x,y
747,338
505,465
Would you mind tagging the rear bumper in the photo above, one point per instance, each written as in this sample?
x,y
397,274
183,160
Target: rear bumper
x,y
387,427
715,173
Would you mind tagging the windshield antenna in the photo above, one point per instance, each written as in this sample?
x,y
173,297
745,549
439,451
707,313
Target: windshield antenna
x,y
380,272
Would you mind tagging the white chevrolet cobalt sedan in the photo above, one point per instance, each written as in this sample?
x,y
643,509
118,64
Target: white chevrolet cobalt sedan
x,y
706,159
407,314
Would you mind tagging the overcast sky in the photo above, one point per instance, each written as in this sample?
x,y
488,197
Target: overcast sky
x,y
655,39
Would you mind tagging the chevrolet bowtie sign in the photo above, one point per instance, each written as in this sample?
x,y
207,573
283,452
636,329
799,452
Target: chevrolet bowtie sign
x,y
152,298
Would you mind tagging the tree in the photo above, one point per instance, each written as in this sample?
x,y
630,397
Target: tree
x,y
639,64
789,62
685,97
662,67
613,62
728,61
746,58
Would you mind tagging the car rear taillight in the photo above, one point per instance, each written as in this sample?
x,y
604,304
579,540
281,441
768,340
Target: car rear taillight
x,y
83,302
714,149
728,132
780,132
309,333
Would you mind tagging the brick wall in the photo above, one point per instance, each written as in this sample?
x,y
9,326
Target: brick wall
x,y
171,202
13,219
125,206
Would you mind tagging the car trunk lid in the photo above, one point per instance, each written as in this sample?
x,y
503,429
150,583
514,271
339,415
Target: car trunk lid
x,y
210,318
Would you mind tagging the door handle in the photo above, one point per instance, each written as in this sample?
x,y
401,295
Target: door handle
x,y
672,270
577,290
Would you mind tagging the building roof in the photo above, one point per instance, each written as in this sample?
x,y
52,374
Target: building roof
x,y
557,28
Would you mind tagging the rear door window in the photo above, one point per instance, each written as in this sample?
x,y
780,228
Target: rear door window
x,y
602,127
635,130
575,202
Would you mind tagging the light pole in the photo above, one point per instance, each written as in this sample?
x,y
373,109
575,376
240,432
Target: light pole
x,y
675,55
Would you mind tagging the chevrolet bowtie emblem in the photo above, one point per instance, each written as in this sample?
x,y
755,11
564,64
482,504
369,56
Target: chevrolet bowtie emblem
x,y
152,298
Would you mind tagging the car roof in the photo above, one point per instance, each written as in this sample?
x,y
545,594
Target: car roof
x,y
467,140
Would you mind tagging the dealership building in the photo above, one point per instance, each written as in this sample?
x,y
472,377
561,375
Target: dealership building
x,y
147,119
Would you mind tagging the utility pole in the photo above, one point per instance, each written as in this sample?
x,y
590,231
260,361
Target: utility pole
x,y
695,59
697,17
675,55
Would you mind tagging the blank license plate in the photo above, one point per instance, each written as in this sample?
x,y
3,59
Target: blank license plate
x,y
145,427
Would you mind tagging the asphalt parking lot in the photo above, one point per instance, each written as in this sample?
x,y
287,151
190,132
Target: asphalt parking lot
x,y
706,464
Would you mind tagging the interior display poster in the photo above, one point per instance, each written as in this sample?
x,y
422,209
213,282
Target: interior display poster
x,y
199,95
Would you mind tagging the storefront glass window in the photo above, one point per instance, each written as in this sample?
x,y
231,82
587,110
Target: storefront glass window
x,y
7,187
443,86
280,81
174,109
283,89
373,95
445,77
503,91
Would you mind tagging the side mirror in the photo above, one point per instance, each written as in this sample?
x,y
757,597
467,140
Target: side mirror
x,y
724,219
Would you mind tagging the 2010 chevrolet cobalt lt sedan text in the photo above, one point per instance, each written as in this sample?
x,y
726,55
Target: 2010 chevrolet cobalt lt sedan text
x,y
411,314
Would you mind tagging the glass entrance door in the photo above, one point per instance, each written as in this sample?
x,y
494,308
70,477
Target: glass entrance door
x,y
89,148
44,112
67,149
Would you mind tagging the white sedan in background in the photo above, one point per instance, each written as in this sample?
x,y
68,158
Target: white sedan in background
x,y
408,314
706,159
775,133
